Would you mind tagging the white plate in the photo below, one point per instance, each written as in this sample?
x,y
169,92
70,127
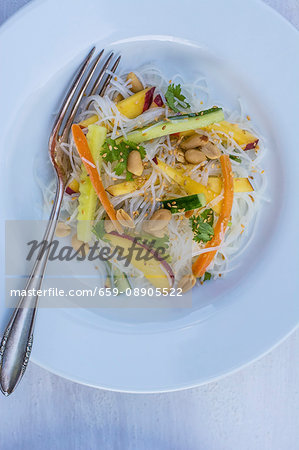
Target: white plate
x,y
246,50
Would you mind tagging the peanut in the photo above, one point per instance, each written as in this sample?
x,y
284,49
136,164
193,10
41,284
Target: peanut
x,y
211,151
158,221
194,156
124,219
187,282
157,233
196,140
134,164
62,229
135,82
180,156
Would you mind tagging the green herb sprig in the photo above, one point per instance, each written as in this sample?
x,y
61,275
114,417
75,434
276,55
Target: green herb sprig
x,y
99,230
119,152
235,158
202,226
157,242
207,276
174,94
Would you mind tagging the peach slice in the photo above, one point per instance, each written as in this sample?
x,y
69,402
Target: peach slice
x,y
155,269
243,138
136,104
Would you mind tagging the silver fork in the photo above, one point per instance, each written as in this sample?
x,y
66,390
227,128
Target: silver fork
x,y
17,340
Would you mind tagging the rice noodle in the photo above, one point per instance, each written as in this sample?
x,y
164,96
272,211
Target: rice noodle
x,y
142,203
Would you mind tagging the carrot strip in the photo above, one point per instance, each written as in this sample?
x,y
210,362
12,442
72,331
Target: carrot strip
x,y
88,161
204,260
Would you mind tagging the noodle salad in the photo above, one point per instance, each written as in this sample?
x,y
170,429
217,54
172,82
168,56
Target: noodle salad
x,y
154,158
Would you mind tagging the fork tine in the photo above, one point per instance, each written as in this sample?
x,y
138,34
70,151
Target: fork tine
x,y
71,92
65,130
107,81
101,74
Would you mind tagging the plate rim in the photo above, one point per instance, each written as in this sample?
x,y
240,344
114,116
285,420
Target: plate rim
x,y
26,10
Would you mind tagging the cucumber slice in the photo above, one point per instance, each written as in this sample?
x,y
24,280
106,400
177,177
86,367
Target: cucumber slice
x,y
118,279
175,124
88,198
182,204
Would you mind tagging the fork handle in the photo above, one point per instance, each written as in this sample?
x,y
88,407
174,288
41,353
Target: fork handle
x,y
16,344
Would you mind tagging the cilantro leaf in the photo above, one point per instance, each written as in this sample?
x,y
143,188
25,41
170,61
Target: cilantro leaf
x,y
174,94
129,176
119,152
156,242
208,215
99,230
202,226
207,276
235,158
